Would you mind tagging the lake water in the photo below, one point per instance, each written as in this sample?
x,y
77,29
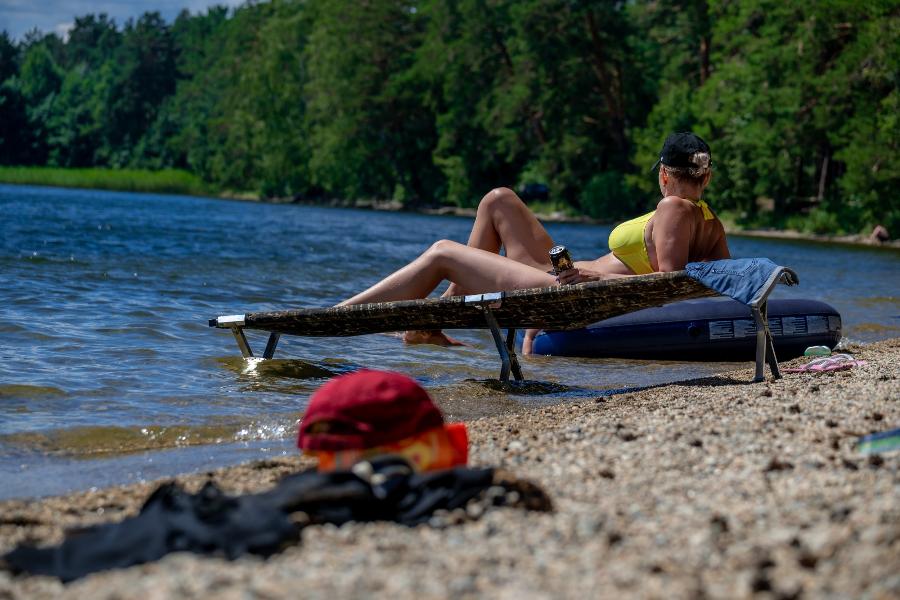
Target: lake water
x,y
109,372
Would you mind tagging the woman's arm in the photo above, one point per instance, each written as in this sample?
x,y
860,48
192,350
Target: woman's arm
x,y
720,250
588,270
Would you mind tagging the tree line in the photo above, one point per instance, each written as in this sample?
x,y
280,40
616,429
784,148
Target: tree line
x,y
436,101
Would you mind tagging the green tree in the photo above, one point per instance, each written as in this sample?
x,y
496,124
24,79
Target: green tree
x,y
140,77
257,122
275,79
9,57
574,62
368,128
464,62
75,127
863,124
533,90
38,84
440,100
15,140
91,41
674,41
789,88
181,134
13,114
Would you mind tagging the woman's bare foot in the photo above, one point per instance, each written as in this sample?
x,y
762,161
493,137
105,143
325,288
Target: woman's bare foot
x,y
430,336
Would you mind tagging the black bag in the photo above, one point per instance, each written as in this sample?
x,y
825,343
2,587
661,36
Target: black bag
x,y
211,522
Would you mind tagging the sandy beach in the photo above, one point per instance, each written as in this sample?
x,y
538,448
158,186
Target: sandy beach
x,y
706,488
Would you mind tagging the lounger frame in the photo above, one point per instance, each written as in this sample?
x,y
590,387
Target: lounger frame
x,y
591,302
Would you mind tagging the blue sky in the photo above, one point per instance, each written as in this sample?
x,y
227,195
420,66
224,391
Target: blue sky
x,y
19,16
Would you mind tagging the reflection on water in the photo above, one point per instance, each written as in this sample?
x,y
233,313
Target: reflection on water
x,y
87,442
275,368
36,475
24,392
106,353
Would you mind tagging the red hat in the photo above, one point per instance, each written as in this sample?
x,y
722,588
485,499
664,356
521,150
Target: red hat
x,y
366,409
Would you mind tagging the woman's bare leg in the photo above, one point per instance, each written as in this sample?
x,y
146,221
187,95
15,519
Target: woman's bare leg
x,y
472,270
503,221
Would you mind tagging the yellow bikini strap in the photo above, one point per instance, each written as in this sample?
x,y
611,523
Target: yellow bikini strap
x,y
707,213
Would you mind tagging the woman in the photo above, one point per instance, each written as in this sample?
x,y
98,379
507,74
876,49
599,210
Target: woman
x,y
682,229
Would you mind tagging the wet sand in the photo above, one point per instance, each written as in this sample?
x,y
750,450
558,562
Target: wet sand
x,y
706,488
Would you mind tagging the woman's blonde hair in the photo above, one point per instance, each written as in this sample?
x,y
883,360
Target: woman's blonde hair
x,y
694,174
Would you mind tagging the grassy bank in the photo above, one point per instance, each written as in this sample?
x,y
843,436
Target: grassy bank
x,y
168,181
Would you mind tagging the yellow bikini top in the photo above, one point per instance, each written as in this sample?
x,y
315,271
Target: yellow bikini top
x,y
704,208
627,240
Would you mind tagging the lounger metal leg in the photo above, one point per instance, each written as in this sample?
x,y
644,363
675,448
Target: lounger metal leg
x,y
513,358
759,307
498,341
765,346
760,346
269,352
771,358
507,357
241,340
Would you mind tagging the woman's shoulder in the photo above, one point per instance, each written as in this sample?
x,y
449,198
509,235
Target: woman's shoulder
x,y
675,204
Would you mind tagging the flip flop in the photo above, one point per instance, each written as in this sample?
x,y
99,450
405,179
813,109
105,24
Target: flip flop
x,y
837,362
883,441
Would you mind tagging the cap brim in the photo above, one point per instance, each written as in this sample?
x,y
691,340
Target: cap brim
x,y
655,165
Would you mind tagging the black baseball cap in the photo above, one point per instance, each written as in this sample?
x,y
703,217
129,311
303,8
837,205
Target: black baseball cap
x,y
679,149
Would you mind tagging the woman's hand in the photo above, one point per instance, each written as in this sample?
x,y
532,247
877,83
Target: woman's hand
x,y
579,275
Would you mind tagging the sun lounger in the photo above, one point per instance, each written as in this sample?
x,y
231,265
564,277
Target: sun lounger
x,y
558,307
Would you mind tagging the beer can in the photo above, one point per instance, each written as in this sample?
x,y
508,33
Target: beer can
x,y
559,256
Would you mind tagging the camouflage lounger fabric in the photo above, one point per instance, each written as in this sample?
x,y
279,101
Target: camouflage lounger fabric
x,y
558,307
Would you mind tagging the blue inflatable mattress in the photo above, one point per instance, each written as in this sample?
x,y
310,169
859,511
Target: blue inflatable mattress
x,y
715,329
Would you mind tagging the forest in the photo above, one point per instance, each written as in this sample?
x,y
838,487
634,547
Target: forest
x,y
434,102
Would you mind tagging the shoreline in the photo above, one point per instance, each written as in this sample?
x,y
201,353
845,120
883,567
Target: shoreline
x,y
843,240
858,240
709,487
559,217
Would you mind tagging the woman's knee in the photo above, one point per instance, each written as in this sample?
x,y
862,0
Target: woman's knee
x,y
442,250
499,199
